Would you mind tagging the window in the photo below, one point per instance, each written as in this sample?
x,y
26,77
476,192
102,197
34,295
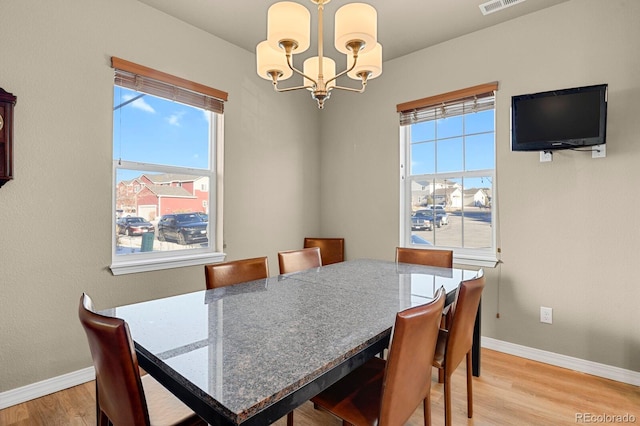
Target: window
x,y
448,174
166,135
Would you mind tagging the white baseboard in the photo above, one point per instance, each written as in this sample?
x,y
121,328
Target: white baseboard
x,y
46,387
55,384
576,364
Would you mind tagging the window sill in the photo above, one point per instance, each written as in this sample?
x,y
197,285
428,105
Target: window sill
x,y
480,261
146,265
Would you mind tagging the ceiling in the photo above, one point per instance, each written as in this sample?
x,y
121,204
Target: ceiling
x,y
404,26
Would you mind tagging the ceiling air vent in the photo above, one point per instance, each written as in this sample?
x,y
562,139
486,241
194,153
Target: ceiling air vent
x,y
496,5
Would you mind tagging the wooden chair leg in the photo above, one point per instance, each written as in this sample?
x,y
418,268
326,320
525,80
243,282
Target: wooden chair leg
x,y
469,385
427,409
440,375
447,399
290,418
103,420
101,417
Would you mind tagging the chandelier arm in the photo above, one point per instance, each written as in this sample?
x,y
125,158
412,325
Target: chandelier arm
x,y
355,61
289,89
274,81
300,72
352,89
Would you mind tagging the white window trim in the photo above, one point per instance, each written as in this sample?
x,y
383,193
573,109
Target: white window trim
x,y
461,256
145,262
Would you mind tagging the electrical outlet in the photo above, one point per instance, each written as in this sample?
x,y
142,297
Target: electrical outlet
x,y
546,315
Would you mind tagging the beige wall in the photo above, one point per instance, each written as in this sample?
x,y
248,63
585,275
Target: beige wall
x,y
569,229
55,216
291,171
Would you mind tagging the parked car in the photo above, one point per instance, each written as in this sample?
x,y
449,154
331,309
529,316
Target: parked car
x,y
420,222
133,225
437,214
183,228
204,216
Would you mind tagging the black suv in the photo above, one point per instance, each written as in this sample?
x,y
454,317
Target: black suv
x,y
183,228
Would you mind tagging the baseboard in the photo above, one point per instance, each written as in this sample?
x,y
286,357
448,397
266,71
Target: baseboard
x,y
46,387
576,364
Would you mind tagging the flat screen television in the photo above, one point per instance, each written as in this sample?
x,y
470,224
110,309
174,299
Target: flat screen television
x,y
559,119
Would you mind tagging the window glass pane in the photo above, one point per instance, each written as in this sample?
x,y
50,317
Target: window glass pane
x,y
476,212
479,152
423,158
425,131
451,197
449,127
431,212
450,155
447,214
160,211
478,122
153,130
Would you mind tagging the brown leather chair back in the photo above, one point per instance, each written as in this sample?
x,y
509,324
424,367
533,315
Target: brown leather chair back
x,y
428,257
331,249
407,379
235,272
299,260
463,317
119,388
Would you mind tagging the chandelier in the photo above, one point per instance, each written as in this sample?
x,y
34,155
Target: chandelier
x,y
288,33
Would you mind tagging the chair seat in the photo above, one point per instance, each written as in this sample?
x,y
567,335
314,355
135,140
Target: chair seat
x,y
164,408
356,397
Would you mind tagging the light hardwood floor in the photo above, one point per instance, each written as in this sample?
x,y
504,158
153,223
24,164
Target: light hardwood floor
x,y
510,391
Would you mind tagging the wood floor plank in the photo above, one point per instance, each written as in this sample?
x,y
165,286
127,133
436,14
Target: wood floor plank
x,y
510,391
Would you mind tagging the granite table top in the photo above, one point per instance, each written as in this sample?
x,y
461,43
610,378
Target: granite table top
x,y
243,348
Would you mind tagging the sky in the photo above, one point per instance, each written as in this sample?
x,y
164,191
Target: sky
x,y
158,131
453,152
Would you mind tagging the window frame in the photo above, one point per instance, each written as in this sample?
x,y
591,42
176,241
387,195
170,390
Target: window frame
x,y
466,256
159,260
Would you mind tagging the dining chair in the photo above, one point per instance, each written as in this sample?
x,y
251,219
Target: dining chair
x,y
123,397
427,257
331,249
235,272
386,393
455,343
299,260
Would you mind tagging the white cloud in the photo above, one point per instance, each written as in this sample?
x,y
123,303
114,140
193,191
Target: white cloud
x,y
174,119
140,104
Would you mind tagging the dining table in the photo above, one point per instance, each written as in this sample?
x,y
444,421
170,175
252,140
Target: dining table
x,y
250,353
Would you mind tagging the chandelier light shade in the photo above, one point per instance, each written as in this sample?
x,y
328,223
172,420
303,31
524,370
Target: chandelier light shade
x,y
310,67
270,60
289,21
356,21
368,62
288,33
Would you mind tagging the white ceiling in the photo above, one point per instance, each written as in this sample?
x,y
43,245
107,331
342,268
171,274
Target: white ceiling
x,y
404,26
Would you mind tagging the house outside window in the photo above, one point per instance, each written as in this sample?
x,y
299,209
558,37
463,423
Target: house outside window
x,y
165,142
448,174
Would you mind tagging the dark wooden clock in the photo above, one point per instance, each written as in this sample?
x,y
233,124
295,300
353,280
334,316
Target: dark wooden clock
x,y
7,102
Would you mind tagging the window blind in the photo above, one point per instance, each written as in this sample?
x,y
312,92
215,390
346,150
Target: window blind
x,y
476,98
147,80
